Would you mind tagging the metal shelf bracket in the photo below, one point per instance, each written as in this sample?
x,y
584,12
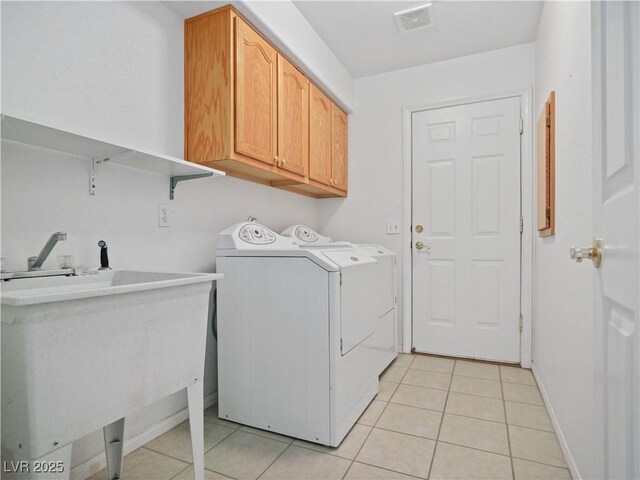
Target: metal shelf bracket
x,y
100,161
92,173
179,178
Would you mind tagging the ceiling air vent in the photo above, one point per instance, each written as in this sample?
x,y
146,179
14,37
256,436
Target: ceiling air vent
x,y
414,18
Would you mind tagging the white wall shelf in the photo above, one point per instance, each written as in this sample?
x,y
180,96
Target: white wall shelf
x,y
99,152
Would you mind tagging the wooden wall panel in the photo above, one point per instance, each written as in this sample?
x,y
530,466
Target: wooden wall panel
x,y
546,169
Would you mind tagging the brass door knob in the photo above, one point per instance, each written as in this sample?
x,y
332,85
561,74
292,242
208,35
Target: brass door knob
x,y
594,252
419,228
419,245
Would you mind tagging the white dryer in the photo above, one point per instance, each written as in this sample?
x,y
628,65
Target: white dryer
x,y
385,297
297,351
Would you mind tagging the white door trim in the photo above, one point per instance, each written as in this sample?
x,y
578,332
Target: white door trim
x,y
526,158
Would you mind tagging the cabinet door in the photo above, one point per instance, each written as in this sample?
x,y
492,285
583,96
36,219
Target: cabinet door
x,y
339,141
319,136
293,118
255,92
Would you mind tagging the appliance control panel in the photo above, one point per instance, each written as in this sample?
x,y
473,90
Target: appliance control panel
x,y
306,234
256,234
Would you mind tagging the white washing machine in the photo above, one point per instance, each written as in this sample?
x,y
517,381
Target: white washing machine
x,y
297,344
385,297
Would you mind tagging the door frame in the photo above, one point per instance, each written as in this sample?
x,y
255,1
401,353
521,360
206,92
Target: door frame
x,y
526,210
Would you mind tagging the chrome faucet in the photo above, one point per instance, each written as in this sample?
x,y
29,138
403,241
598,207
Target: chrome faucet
x,y
34,263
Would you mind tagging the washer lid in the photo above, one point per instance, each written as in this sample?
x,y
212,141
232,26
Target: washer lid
x,y
353,257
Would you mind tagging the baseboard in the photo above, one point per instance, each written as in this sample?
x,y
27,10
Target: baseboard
x,y
97,463
575,473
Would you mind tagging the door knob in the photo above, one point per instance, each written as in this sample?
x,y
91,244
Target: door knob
x,y
419,245
594,252
419,228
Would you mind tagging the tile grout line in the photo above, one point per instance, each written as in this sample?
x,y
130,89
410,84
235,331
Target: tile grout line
x,y
181,471
506,420
166,455
238,430
387,469
475,449
472,376
180,459
377,420
444,409
474,394
541,463
372,427
274,460
470,417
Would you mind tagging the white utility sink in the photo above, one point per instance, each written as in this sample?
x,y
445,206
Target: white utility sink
x,y
81,353
30,291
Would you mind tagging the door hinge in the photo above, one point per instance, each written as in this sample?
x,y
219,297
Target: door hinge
x,y
520,322
521,225
521,125
340,278
548,120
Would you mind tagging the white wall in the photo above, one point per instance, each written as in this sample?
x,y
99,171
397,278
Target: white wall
x,y
375,137
289,30
563,310
282,23
114,71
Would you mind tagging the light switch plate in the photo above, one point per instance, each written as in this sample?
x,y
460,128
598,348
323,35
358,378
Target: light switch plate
x,y
393,227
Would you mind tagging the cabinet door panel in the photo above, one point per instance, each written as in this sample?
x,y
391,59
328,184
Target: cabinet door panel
x,y
255,92
339,155
319,137
293,118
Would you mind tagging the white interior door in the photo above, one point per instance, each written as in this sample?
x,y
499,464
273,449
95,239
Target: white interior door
x,y
466,230
616,82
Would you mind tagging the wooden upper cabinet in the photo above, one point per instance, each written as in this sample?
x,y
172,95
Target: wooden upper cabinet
x,y
293,118
339,134
250,112
208,89
256,95
319,136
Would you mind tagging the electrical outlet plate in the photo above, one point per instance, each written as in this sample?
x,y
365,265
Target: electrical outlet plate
x,y
165,215
393,227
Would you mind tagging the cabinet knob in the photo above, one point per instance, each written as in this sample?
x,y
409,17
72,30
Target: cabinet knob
x,y
276,161
283,162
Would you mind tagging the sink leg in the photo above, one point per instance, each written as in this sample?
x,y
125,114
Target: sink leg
x,y
113,443
195,396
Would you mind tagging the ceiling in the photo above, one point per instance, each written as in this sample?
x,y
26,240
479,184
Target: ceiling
x,y
187,9
365,38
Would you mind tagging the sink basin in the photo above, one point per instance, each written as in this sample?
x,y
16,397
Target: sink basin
x,y
82,352
30,291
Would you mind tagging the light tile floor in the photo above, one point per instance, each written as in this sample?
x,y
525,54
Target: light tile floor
x,y
433,418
